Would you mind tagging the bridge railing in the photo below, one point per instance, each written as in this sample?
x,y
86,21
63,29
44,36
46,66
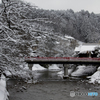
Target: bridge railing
x,y
65,58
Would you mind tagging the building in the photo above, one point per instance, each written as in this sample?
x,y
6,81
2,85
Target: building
x,y
88,50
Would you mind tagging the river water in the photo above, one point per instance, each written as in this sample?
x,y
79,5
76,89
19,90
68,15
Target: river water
x,y
49,85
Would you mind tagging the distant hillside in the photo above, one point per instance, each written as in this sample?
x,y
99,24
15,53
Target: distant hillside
x,y
82,25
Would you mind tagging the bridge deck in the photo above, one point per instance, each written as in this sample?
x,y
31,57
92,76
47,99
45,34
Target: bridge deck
x,y
61,60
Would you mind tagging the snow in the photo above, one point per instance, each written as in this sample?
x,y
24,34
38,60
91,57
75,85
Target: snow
x,y
95,78
8,73
61,73
65,37
57,42
78,48
37,67
86,47
79,71
39,37
12,39
22,74
21,66
32,54
3,92
83,70
68,37
24,66
53,67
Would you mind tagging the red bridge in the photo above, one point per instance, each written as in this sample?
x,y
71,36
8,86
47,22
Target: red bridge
x,y
61,60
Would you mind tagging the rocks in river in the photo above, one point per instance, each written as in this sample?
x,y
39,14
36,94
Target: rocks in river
x,y
90,89
18,90
23,87
51,98
76,89
83,70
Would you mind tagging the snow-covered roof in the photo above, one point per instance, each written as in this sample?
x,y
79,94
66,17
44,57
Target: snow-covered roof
x,y
69,37
86,47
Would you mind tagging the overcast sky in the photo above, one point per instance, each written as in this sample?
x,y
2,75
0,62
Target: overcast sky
x,y
76,5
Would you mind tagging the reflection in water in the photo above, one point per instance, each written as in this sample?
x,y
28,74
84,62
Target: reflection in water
x,y
46,74
49,75
39,75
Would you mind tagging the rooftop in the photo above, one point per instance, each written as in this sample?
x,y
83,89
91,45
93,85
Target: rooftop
x,y
83,48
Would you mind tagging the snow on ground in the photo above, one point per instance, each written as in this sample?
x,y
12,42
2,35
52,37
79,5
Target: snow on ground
x,y
3,92
22,74
65,38
57,42
95,78
24,66
61,73
69,37
53,67
79,71
8,73
37,67
83,70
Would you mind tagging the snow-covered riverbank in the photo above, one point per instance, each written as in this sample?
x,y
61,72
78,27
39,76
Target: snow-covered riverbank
x,y
3,91
80,71
46,80
95,78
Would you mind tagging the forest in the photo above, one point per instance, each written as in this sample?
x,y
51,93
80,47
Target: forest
x,y
26,30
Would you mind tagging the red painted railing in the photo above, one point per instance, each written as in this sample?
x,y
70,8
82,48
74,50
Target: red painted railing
x,y
67,58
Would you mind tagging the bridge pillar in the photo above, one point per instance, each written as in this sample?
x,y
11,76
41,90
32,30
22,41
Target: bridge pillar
x,y
65,71
30,66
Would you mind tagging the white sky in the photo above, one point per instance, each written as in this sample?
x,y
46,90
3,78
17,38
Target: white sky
x,y
76,5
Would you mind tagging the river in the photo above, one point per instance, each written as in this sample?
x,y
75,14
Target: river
x,y
49,85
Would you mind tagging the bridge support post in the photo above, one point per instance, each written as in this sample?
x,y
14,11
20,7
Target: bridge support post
x,y
65,71
30,66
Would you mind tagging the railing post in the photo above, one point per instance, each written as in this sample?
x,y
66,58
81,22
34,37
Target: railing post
x,y
30,66
65,71
89,54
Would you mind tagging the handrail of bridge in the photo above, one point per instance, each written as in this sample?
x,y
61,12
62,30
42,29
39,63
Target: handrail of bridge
x,y
67,58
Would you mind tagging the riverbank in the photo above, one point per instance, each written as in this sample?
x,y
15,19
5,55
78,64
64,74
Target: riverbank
x,y
3,92
51,90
